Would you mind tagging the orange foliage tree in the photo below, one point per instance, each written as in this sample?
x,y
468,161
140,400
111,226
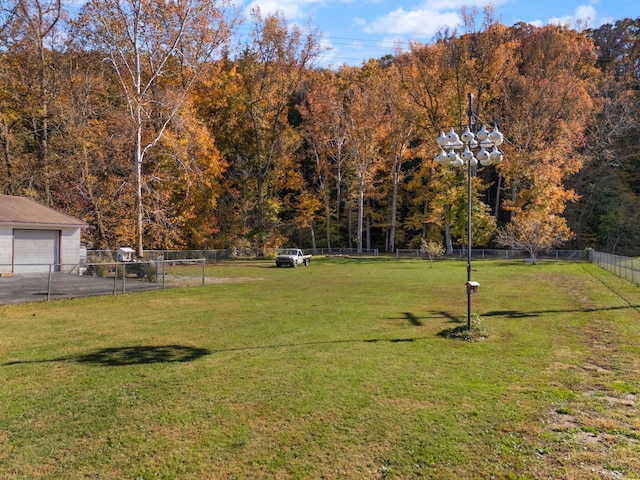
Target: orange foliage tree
x,y
157,52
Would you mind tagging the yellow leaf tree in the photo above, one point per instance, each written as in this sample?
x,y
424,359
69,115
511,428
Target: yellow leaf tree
x,y
157,50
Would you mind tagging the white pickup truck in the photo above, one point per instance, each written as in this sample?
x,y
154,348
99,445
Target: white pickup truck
x,y
292,257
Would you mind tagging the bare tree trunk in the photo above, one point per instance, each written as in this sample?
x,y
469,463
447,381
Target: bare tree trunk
x,y
424,223
447,239
498,188
99,221
313,236
350,223
360,212
394,207
138,173
368,233
6,150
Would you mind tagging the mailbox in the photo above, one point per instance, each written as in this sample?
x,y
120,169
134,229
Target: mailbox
x,y
125,254
472,287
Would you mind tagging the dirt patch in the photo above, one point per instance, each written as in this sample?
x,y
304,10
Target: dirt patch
x,y
628,400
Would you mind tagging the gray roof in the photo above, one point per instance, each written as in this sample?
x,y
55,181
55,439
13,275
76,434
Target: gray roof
x,y
22,211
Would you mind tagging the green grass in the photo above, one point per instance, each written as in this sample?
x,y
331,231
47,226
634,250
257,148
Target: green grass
x,y
334,371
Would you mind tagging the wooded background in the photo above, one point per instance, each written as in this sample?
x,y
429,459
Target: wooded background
x,y
161,126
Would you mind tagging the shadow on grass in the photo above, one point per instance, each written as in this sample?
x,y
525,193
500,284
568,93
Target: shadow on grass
x,y
141,355
416,321
122,356
138,355
536,313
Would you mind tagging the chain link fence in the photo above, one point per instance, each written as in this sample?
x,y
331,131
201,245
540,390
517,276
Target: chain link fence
x,y
101,274
217,255
624,267
498,254
98,278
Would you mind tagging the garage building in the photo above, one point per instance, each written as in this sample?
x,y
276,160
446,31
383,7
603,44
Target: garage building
x,y
34,237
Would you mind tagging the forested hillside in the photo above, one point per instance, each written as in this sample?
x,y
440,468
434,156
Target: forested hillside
x,y
162,127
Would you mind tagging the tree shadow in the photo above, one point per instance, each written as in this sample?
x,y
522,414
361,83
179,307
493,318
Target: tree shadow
x,y
141,355
536,313
137,355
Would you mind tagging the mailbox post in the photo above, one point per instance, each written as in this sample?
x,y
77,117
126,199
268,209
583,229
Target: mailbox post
x,y
472,287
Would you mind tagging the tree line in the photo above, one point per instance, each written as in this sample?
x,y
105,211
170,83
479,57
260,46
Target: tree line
x,y
161,127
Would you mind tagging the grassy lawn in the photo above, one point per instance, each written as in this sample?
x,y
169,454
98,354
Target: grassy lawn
x,y
333,371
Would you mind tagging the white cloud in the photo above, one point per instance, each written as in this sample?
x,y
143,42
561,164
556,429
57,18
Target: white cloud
x,y
458,4
425,20
422,23
586,14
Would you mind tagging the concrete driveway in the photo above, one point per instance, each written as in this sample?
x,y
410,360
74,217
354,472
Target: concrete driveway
x,y
34,287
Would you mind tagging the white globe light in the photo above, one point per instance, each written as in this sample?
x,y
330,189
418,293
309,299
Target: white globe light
x,y
453,137
442,139
496,137
483,156
483,134
496,156
442,158
467,155
467,136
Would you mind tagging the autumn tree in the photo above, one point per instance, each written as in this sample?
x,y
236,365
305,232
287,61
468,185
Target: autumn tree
x,y
546,108
438,78
363,106
254,129
32,43
325,134
426,77
97,169
606,215
399,134
534,231
156,49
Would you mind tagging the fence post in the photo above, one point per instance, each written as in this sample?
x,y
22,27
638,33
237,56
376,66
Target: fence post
x,y
203,263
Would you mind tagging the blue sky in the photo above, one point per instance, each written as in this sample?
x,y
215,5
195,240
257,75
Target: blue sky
x,y
354,31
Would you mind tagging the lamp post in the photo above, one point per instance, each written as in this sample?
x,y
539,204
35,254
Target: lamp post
x,y
489,154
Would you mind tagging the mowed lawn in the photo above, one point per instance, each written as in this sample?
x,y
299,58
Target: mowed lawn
x,y
334,371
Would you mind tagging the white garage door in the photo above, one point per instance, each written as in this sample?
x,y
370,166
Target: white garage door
x,y
35,250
